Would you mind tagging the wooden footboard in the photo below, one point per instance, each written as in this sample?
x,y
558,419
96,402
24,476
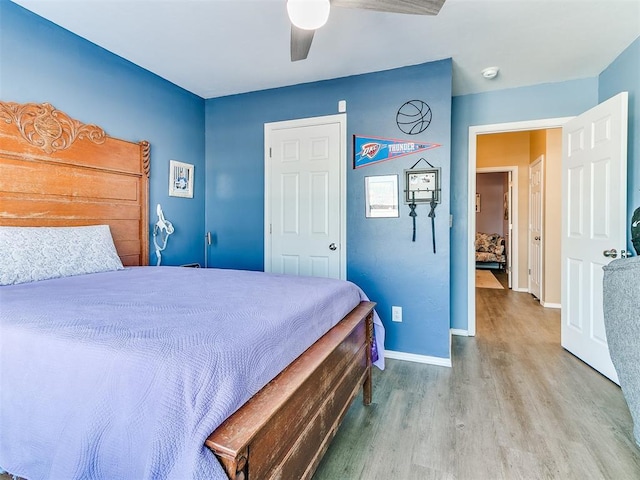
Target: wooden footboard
x,y
284,430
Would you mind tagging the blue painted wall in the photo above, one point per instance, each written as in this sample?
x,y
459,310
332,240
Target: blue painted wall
x,y
41,62
512,105
381,257
623,75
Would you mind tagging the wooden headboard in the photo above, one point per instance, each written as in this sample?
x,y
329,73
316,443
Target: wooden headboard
x,y
57,171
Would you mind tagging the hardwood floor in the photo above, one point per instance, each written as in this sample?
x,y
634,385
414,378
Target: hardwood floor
x,y
515,405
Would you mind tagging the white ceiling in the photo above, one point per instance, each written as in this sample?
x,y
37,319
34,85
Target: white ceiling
x,y
221,47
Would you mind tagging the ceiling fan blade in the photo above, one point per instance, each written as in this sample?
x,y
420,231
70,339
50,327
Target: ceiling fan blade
x,y
300,43
413,7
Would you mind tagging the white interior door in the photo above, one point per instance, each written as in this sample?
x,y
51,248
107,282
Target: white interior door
x,y
594,206
304,202
509,233
535,226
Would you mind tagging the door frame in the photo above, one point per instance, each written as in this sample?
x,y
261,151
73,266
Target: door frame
x,y
539,160
474,131
341,119
512,260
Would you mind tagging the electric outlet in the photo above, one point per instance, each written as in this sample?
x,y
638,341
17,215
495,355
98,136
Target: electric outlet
x,y
396,314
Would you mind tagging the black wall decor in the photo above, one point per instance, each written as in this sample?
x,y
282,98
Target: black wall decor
x,y
413,117
635,230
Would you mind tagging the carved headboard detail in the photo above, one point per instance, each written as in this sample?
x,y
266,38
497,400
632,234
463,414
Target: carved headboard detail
x,y
45,127
58,171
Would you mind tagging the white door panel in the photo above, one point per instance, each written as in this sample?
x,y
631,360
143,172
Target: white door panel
x,y
304,204
289,265
290,203
594,221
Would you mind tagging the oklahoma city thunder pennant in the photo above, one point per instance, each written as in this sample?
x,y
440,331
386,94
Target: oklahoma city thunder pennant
x,y
368,150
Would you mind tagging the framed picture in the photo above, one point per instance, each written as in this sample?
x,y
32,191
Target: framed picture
x,y
180,179
381,196
422,186
477,203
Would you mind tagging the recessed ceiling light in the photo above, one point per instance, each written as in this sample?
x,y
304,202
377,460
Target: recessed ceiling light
x,y
490,72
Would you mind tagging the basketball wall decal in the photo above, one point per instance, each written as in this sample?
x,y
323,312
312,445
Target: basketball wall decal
x,y
413,117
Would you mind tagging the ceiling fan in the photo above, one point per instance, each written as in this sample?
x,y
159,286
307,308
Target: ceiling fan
x,y
308,15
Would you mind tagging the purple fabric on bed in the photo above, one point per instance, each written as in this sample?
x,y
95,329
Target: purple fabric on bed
x,y
124,374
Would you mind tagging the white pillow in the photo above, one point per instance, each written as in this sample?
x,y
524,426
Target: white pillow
x,y
28,254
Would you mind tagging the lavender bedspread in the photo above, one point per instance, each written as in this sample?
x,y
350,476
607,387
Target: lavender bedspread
x,y
123,375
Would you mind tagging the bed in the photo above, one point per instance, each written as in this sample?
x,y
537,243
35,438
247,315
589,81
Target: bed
x,y
104,412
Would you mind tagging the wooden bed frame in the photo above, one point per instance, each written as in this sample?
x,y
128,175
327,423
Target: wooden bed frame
x,y
57,171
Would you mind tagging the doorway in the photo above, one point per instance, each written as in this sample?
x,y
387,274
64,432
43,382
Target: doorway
x,y
497,213
474,134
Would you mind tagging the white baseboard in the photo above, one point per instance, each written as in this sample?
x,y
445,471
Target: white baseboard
x,y
550,305
412,357
460,332
523,290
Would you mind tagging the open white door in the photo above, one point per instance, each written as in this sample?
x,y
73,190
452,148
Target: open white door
x,y
305,212
509,229
536,189
594,206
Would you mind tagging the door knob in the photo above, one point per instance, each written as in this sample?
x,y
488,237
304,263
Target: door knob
x,y
613,253
332,246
